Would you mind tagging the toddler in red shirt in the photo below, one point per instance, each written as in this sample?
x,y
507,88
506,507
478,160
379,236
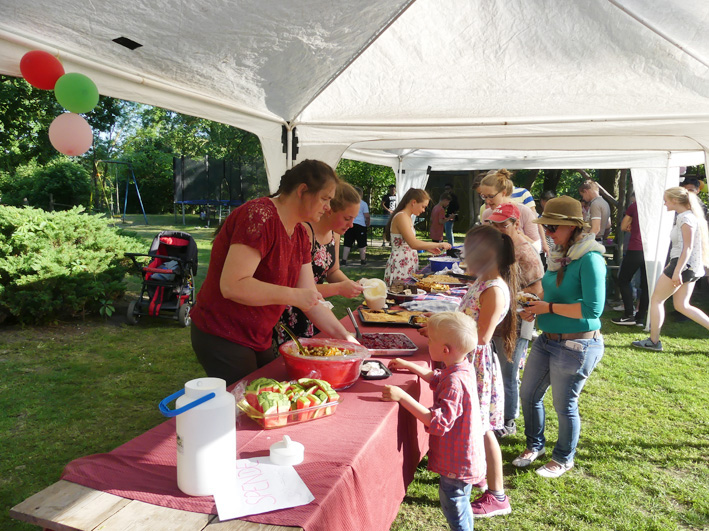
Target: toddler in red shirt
x,y
457,450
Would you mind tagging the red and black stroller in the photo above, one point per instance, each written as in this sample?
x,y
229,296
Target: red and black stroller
x,y
168,278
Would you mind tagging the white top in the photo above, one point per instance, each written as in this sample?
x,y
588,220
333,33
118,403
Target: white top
x,y
695,259
363,209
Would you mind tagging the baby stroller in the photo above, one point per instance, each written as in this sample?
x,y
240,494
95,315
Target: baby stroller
x,y
168,278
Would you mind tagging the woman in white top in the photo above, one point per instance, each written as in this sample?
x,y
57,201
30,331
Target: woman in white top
x,y
404,261
689,256
497,188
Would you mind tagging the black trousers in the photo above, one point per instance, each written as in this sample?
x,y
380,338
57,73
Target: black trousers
x,y
632,261
221,358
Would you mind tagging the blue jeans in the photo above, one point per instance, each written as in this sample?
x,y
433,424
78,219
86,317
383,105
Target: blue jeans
x,y
455,502
510,374
448,226
565,365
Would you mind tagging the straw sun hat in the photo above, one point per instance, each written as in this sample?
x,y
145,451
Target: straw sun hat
x,y
562,210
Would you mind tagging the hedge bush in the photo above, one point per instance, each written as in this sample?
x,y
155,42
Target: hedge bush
x,y
56,265
67,181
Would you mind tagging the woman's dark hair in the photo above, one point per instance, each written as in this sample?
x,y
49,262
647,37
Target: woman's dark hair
x,y
569,243
445,196
412,194
314,174
487,237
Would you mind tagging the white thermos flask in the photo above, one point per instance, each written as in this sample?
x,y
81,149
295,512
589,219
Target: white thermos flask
x,y
206,435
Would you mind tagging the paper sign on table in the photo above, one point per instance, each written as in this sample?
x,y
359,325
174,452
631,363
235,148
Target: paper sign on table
x,y
260,488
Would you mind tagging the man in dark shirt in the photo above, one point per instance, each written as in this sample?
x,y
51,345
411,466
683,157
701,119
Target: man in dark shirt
x,y
451,212
389,200
693,185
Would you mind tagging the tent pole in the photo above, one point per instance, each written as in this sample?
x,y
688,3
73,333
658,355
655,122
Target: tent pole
x,y
655,262
398,174
289,147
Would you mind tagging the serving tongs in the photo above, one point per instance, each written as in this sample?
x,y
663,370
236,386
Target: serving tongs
x,y
288,331
358,334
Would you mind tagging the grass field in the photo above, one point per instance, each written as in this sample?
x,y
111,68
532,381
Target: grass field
x,y
83,387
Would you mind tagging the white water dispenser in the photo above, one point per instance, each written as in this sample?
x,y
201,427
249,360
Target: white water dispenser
x,y
206,435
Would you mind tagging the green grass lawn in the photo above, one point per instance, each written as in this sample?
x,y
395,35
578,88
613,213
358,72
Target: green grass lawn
x,y
83,387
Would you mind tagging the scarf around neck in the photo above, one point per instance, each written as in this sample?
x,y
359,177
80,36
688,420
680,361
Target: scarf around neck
x,y
587,244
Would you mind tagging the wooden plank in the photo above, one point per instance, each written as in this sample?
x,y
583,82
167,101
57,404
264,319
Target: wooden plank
x,y
66,506
143,516
240,525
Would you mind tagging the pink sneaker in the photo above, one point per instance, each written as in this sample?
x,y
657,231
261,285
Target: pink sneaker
x,y
487,506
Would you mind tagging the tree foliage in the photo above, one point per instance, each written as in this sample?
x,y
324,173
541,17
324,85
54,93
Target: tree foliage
x,y
25,115
157,135
373,179
62,181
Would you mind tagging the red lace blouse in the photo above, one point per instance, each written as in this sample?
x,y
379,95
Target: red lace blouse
x,y
256,224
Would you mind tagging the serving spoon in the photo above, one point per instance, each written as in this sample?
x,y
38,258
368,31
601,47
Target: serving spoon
x,y
358,334
288,331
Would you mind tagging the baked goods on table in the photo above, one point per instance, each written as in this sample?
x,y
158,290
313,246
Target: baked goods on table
x,y
438,279
432,287
384,317
419,319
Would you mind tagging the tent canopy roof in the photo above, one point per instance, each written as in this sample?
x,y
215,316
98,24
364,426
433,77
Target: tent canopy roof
x,y
520,74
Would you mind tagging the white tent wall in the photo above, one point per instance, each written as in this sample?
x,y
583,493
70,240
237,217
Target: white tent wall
x,y
655,220
521,75
408,179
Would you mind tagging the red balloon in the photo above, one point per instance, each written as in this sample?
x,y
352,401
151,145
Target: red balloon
x,y
71,134
41,69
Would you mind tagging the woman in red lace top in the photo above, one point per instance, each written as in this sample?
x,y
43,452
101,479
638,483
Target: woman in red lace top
x,y
260,263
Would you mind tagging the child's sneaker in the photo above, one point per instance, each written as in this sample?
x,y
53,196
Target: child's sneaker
x,y
648,344
487,506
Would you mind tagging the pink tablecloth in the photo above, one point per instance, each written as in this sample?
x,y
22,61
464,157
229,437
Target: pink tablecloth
x,y
358,462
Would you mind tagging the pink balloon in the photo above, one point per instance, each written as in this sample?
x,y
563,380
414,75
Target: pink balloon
x,y
71,134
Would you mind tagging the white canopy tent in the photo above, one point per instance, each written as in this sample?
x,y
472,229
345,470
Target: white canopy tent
x,y
571,82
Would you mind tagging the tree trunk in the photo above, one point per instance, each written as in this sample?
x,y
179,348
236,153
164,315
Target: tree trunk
x,y
529,181
551,179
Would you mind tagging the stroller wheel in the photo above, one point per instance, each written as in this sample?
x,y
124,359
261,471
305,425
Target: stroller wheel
x,y
131,316
183,315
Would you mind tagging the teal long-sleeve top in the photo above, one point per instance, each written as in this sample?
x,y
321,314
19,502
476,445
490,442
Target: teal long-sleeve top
x,y
585,282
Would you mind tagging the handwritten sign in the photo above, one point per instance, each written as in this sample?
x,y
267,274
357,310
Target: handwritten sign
x,y
261,487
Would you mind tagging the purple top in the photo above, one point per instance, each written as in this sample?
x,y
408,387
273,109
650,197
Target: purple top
x,y
636,242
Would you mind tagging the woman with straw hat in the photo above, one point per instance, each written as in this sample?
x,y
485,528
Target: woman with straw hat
x,y
571,345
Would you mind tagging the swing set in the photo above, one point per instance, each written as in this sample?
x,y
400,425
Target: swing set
x,y
106,186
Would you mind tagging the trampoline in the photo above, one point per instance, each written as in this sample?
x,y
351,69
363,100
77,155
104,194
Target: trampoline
x,y
214,184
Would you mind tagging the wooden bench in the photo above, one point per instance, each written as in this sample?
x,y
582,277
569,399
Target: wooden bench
x,y
66,506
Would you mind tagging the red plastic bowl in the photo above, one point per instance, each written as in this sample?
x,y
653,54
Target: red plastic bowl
x,y
340,371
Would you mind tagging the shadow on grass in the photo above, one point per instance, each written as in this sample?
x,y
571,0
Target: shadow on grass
x,y
424,500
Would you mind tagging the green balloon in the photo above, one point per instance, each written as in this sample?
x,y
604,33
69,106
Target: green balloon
x,y
76,93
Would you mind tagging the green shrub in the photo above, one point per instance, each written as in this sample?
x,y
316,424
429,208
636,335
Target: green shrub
x,y
67,181
59,264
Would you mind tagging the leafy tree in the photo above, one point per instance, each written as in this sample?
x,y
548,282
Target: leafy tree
x,y
372,178
62,181
157,135
25,116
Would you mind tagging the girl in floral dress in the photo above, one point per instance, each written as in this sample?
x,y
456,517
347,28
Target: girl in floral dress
x,y
324,251
490,256
404,261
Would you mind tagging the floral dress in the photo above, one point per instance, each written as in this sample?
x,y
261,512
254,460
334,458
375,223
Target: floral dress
x,y
403,261
491,392
323,256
